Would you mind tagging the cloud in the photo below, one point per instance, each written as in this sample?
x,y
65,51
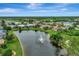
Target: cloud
x,y
45,11
9,10
64,9
34,5
51,10
59,6
38,8
62,5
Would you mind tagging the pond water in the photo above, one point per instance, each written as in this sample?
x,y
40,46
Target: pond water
x,y
32,45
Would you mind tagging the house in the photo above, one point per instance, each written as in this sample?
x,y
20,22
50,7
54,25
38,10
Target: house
x,y
45,26
68,23
30,25
21,25
56,27
77,25
2,41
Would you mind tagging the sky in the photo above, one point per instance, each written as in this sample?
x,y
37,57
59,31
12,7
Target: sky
x,y
39,9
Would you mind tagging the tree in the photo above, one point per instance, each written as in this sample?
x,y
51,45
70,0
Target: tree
x,y
37,26
30,20
56,38
10,37
3,23
20,29
7,28
46,28
71,28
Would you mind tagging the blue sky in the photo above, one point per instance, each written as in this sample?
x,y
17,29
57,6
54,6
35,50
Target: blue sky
x,y
39,9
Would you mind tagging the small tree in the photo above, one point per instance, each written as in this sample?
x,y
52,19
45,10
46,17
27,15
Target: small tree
x,y
71,28
10,37
3,23
20,29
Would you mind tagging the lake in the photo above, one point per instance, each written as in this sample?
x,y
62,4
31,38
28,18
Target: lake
x,y
33,47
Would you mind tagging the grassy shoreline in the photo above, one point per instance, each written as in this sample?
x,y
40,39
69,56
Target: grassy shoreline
x,y
14,45
20,44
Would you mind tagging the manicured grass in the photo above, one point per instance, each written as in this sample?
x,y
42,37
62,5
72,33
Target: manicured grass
x,y
13,45
73,44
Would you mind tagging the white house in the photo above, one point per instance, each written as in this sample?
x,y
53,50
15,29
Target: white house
x,y
30,25
21,25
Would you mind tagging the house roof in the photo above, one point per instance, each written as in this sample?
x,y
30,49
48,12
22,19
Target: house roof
x,y
1,41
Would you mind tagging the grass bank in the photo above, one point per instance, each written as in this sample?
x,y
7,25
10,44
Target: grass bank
x,y
13,45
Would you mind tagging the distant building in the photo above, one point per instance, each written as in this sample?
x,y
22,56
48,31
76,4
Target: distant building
x,y
21,25
30,25
45,26
68,23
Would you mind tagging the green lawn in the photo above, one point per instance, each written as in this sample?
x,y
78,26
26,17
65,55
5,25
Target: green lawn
x,y
13,45
73,44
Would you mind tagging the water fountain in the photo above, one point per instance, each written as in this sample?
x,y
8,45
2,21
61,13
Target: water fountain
x,y
41,40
